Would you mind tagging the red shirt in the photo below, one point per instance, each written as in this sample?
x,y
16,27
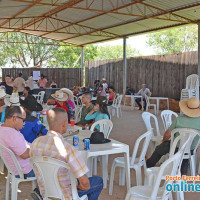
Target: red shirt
x,y
64,106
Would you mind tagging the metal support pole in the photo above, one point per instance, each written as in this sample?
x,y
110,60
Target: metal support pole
x,y
82,66
198,72
124,66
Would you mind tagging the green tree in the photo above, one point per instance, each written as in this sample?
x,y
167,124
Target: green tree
x,y
25,50
114,52
174,40
69,56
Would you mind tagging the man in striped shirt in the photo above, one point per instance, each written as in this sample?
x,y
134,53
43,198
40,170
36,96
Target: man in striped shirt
x,y
53,145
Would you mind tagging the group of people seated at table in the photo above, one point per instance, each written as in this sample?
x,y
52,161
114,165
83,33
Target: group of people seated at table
x,y
101,88
21,132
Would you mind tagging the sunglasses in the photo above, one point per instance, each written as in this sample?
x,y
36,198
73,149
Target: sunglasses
x,y
23,119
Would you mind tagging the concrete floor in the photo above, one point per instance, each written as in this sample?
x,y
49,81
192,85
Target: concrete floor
x,y
126,129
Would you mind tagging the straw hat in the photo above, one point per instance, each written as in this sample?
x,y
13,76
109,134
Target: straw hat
x,y
2,93
191,108
60,96
69,92
12,100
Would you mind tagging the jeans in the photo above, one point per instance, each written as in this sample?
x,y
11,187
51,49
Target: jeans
x,y
30,174
138,100
96,186
160,151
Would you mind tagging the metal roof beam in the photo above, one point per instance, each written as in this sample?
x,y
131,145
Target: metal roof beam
x,y
20,12
120,7
50,13
132,21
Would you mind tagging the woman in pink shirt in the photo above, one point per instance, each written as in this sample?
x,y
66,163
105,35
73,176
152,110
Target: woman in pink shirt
x,y
42,83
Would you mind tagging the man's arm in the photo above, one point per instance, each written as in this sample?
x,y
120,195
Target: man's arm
x,y
84,183
25,155
167,135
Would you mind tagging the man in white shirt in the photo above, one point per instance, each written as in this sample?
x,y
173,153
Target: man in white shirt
x,y
142,92
105,85
19,83
30,83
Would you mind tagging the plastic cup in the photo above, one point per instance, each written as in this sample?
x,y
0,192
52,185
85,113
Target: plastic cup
x,y
72,122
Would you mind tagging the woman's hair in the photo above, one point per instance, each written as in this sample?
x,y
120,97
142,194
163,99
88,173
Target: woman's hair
x,y
103,109
28,89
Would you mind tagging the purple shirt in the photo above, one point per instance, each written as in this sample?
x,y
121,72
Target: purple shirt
x,y
14,140
71,103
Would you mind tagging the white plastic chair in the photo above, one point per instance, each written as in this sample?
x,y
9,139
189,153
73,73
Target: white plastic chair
x,y
155,191
192,87
135,162
116,106
156,138
39,97
192,157
106,127
11,174
166,116
148,104
46,166
185,139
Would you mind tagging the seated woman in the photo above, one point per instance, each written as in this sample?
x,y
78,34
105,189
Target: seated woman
x,y
99,111
32,128
62,98
111,95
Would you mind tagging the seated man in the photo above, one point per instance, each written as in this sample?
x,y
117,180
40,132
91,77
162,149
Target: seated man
x,y
191,119
86,99
32,128
54,145
142,92
11,138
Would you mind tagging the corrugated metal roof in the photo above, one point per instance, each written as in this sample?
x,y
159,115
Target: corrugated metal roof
x,y
82,22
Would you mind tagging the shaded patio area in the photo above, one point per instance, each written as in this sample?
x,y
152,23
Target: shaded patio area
x,y
126,130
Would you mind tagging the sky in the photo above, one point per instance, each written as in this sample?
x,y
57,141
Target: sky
x,y
137,42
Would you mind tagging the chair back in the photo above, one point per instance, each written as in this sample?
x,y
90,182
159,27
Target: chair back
x,y
4,150
117,101
145,138
192,81
106,126
146,116
40,97
166,116
184,134
47,168
172,168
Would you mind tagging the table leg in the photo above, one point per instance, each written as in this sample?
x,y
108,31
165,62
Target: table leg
x,y
168,104
157,111
104,169
127,169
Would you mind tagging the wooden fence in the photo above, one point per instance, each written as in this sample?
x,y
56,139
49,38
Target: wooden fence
x,y
64,77
165,75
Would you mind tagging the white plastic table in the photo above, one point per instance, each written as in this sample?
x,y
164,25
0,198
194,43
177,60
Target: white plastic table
x,y
133,97
113,147
158,101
